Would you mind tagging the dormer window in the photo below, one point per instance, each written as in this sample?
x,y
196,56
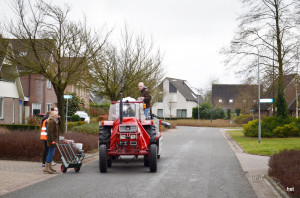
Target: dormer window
x,y
220,100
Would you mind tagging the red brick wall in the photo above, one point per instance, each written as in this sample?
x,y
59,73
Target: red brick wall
x,y
38,92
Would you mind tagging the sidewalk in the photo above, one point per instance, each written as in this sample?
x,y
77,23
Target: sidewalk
x,y
256,170
15,175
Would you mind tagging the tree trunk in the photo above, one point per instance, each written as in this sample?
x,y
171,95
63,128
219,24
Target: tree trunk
x,y
61,107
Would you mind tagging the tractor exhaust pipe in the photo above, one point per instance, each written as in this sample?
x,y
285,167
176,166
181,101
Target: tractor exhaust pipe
x,y
121,108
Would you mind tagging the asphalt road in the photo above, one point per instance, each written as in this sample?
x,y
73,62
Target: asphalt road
x,y
195,162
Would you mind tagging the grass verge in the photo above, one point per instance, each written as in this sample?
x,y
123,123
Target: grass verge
x,y
267,146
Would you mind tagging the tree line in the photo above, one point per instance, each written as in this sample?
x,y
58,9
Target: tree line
x,y
268,31
42,39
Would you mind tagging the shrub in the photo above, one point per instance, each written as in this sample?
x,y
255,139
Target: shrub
x,y
251,129
228,114
208,111
237,111
33,120
75,118
26,145
92,128
268,124
243,119
74,124
285,168
286,130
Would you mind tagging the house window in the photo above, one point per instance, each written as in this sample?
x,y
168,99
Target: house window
x,y
220,100
1,108
172,89
230,100
48,84
181,113
48,107
160,113
244,101
36,108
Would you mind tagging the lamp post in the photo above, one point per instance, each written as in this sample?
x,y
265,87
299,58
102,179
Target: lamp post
x,y
258,73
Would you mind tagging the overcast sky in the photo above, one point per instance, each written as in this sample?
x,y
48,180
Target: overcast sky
x,y
190,33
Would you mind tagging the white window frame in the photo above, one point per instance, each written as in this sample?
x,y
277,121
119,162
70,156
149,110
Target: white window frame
x,y
230,100
220,100
49,84
36,104
1,108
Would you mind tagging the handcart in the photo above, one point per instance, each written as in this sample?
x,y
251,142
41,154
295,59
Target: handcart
x,y
69,158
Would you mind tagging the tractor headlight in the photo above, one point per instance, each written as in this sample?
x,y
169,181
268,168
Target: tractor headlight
x,y
122,136
132,136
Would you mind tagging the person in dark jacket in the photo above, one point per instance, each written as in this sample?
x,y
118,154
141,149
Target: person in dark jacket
x,y
146,97
52,138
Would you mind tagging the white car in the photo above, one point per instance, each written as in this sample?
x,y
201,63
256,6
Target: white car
x,y
83,116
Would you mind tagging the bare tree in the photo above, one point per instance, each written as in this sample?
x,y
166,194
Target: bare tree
x,y
268,27
122,67
53,46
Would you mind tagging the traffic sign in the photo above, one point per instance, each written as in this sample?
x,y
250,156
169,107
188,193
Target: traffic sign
x,y
266,100
67,96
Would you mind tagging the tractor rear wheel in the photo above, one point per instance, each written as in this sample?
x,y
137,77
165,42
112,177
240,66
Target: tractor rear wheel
x,y
103,158
153,158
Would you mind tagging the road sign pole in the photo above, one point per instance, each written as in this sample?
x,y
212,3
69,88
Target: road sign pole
x,y
67,116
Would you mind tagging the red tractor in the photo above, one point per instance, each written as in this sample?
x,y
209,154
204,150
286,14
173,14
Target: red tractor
x,y
128,132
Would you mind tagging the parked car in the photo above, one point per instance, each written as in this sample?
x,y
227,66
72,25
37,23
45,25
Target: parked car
x,y
83,116
166,124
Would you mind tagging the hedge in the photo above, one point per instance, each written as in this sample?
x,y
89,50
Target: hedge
x,y
273,127
20,127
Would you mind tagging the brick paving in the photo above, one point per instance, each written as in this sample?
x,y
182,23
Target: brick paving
x,y
15,175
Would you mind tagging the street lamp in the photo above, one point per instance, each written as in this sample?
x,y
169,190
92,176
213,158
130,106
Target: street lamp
x,y
258,64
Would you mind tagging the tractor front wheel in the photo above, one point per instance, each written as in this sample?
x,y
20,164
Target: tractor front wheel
x,y
153,158
103,158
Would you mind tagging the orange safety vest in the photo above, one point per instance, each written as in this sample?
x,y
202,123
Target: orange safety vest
x,y
44,130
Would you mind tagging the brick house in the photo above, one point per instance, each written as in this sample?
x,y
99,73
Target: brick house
x,y
233,96
38,93
178,99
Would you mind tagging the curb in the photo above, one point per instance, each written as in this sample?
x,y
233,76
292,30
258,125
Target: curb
x,y
280,191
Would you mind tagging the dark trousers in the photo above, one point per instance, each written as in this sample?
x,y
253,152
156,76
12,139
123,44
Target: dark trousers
x,y
46,149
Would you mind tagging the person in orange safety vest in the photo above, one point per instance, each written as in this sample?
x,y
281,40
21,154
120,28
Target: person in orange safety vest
x,y
44,136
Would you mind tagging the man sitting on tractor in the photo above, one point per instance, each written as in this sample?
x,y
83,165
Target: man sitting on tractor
x,y
128,110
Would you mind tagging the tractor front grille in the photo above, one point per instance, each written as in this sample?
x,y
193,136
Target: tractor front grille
x,y
128,128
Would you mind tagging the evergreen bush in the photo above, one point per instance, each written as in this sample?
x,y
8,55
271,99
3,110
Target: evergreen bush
x,y
75,118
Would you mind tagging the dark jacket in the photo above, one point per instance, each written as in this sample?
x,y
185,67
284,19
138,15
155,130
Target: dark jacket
x,y
52,131
147,98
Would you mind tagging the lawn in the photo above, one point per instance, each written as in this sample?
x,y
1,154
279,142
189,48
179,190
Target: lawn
x,y
267,146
